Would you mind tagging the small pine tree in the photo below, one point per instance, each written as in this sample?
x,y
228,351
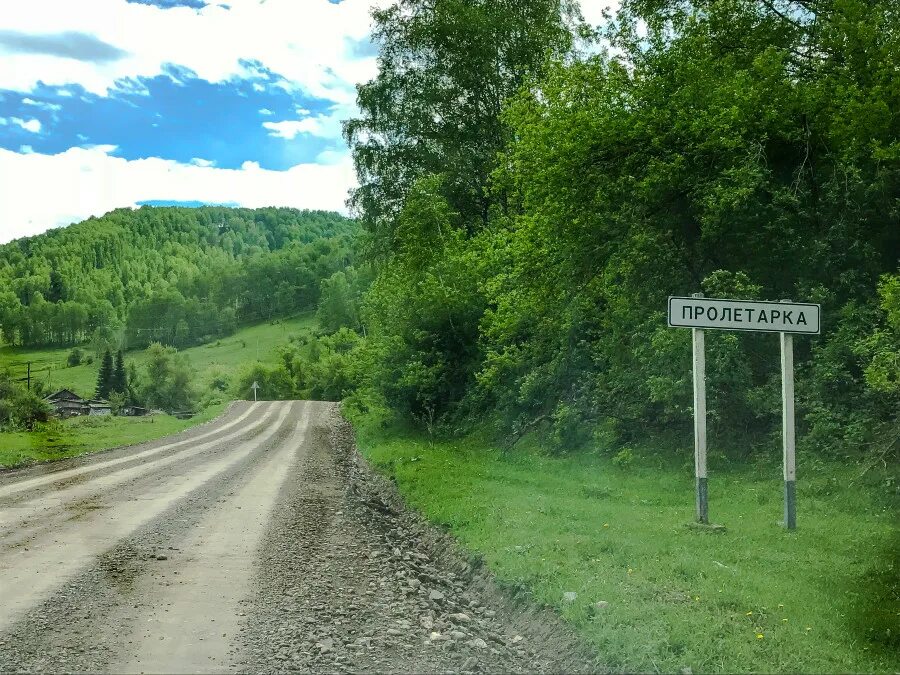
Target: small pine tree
x,y
105,377
119,377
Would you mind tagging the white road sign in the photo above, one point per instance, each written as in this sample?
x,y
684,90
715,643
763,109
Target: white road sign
x,y
770,317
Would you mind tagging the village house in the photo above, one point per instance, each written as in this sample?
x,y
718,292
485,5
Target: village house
x,y
66,403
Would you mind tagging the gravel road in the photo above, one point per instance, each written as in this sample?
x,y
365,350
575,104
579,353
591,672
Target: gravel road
x,y
258,542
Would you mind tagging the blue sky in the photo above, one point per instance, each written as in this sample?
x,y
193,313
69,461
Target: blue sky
x,y
116,103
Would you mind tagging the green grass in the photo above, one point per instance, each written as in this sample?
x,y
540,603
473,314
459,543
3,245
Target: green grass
x,y
823,598
229,354
80,435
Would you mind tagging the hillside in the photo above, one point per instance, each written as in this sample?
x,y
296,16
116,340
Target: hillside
x,y
251,344
178,275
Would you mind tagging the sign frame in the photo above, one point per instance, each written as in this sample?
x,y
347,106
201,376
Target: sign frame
x,y
787,391
740,304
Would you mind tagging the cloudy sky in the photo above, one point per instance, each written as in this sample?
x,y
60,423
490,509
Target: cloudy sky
x,y
112,103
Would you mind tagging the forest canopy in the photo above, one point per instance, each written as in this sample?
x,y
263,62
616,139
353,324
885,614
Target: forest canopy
x,y
533,192
178,276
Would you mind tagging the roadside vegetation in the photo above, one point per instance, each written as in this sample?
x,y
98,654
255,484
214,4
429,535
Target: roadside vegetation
x,y
58,439
614,528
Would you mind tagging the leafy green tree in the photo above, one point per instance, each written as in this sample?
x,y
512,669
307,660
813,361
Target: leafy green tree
x,y
340,300
446,69
117,401
57,286
166,383
74,358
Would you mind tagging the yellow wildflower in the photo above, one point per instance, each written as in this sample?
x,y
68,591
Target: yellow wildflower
x,y
759,636
749,613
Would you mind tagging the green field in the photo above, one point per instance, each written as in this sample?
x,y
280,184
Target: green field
x,y
245,346
80,435
823,598
77,436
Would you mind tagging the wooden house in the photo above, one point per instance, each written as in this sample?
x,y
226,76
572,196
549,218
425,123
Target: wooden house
x,y
98,407
66,403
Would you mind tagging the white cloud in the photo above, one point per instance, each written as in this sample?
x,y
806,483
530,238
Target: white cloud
x,y
327,125
34,126
26,149
199,161
53,190
290,129
43,105
265,111
102,147
308,43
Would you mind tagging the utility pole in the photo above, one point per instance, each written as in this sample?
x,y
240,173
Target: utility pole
x,y
29,376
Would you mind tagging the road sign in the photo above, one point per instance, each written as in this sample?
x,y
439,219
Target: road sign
x,y
754,315
785,318
254,387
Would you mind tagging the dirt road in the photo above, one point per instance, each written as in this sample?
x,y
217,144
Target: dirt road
x,y
258,542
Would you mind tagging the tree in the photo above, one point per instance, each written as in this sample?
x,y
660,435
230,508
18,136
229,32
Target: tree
x,y
75,357
446,70
105,376
425,146
119,382
167,380
57,288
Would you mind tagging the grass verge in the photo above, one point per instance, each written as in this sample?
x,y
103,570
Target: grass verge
x,y
81,435
823,598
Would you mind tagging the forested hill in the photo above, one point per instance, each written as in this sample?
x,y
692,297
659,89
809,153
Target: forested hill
x,y
177,275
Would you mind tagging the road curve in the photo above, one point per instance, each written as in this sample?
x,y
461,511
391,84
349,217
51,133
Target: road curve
x,y
248,543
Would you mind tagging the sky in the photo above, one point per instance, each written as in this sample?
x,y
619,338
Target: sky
x,y
117,103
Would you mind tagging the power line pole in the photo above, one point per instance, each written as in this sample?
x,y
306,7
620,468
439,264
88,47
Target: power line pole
x,y
29,376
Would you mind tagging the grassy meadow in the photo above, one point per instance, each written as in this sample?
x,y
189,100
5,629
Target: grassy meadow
x,y
249,344
77,436
81,435
755,597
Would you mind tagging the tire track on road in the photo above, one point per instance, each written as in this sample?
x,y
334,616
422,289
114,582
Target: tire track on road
x,y
76,473
31,574
14,521
192,623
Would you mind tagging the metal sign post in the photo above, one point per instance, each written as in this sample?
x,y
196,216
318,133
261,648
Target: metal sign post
x,y
254,387
787,430
699,346
785,318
